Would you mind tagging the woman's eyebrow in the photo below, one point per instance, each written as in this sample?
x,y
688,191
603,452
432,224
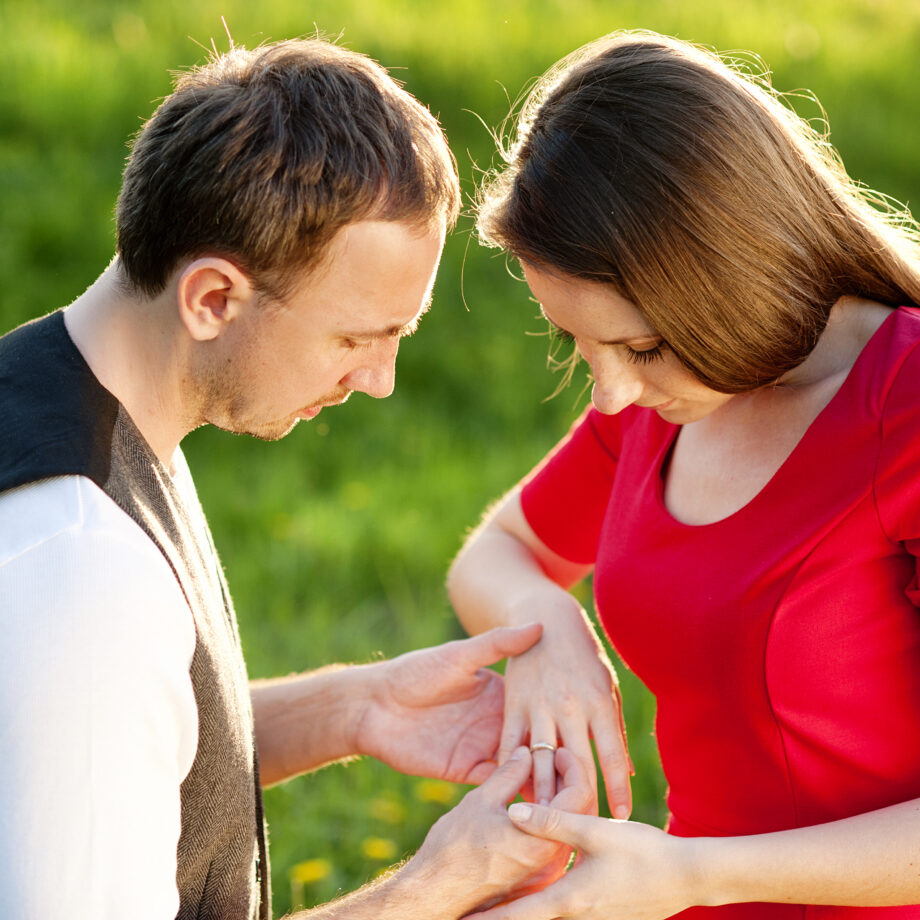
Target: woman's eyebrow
x,y
624,341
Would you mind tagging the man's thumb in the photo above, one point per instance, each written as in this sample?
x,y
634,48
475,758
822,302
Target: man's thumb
x,y
513,640
506,782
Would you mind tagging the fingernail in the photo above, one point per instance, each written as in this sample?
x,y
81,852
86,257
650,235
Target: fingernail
x,y
519,811
518,753
621,813
543,801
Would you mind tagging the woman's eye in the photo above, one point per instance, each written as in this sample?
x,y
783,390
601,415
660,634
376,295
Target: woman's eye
x,y
560,335
645,356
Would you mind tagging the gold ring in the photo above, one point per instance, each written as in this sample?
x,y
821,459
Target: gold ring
x,y
542,746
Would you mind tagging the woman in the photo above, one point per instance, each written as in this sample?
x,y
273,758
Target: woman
x,y
746,489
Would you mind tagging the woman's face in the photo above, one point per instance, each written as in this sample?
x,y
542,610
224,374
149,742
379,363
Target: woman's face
x,y
630,362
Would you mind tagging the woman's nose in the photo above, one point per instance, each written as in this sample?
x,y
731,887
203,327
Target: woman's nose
x,y
616,386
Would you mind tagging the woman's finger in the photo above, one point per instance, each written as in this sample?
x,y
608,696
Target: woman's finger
x,y
618,702
514,729
554,824
543,744
615,765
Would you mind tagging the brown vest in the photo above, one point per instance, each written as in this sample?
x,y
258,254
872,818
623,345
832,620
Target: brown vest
x,y
56,419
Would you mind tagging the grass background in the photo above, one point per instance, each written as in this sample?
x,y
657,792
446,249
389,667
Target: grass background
x,y
336,540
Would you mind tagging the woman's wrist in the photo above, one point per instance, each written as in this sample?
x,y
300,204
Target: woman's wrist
x,y
544,603
705,871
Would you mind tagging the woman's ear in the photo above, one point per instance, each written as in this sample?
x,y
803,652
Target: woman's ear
x,y
211,293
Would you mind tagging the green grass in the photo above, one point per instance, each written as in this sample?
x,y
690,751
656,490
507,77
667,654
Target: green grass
x,y
337,539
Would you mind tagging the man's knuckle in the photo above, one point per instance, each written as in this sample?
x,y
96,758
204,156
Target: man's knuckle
x,y
549,821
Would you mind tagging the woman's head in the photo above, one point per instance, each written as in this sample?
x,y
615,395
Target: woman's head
x,y
651,165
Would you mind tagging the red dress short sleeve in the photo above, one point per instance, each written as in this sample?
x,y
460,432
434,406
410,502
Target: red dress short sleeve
x,y
565,498
897,478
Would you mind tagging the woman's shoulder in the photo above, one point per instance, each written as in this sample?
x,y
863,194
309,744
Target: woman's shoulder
x,y
896,356
896,395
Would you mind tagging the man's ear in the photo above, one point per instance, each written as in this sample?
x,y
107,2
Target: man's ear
x,y
211,293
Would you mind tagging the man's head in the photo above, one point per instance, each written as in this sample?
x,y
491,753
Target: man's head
x,y
263,156
257,365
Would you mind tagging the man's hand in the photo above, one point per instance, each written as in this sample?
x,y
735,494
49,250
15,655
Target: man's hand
x,y
438,712
475,857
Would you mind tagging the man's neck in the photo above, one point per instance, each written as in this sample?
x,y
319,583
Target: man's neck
x,y
134,347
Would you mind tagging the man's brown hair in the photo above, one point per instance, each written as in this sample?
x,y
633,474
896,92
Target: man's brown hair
x,y
262,156
685,183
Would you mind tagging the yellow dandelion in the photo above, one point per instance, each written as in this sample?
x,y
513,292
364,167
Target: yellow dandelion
x,y
378,848
388,810
309,871
436,790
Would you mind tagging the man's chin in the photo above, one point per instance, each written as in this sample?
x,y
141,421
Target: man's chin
x,y
275,431
269,431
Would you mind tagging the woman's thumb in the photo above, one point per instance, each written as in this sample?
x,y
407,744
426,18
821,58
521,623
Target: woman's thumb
x,y
551,823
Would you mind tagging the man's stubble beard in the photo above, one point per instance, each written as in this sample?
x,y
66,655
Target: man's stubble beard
x,y
223,399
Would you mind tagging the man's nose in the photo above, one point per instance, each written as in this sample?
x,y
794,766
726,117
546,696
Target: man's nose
x,y
377,375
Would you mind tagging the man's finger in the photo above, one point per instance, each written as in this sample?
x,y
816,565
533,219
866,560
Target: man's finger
x,y
496,644
576,793
576,741
481,772
505,783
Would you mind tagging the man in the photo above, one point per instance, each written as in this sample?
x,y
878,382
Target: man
x,y
279,227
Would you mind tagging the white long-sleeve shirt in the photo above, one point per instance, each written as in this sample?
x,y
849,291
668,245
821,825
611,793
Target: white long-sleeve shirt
x,y
98,724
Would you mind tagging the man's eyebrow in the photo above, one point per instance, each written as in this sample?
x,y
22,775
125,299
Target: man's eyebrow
x,y
623,341
390,331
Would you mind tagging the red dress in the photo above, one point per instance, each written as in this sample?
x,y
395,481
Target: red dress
x,y
783,642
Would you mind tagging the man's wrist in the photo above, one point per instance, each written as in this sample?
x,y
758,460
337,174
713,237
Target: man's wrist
x,y
402,894
441,890
363,689
306,721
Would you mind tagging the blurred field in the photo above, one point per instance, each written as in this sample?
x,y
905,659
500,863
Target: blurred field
x,y
336,540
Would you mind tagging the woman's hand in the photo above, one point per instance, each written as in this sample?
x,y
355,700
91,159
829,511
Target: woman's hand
x,y
626,870
563,691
